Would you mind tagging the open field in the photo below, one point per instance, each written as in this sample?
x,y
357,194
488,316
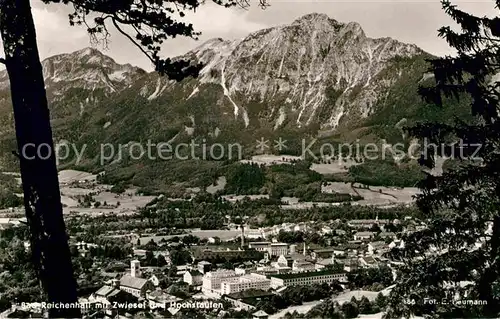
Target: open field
x,y
75,184
218,185
70,176
334,167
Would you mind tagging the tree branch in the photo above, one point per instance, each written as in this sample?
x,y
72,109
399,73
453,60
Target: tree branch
x,y
132,40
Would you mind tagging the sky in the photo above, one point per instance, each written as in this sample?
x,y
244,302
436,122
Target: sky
x,y
407,21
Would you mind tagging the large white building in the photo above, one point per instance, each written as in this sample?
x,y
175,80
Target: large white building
x,y
273,249
278,249
211,282
260,245
245,282
306,278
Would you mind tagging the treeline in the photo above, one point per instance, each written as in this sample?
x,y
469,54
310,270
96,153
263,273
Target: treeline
x,y
372,279
386,173
297,295
294,179
19,281
9,199
8,189
170,217
350,309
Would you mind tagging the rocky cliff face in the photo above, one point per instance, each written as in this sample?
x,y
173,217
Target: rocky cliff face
x,y
313,70
314,73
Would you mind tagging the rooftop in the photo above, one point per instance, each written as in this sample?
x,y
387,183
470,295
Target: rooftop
x,y
106,291
260,313
369,221
364,233
132,282
195,273
324,250
378,244
251,293
307,274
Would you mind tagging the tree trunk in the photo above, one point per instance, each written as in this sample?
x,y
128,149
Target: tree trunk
x,y
42,199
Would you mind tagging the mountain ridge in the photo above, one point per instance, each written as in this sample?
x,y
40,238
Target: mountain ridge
x,y
314,75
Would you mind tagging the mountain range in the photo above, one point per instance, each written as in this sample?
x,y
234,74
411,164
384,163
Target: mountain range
x,y
313,77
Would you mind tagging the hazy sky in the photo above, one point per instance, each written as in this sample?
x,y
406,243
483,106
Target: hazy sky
x,y
407,21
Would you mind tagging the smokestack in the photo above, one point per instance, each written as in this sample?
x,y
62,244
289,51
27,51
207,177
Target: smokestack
x,y
304,248
242,236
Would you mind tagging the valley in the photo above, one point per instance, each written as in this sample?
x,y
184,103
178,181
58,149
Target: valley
x,y
281,179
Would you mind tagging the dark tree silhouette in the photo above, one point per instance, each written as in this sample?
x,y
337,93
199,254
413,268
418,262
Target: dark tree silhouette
x,y
150,23
457,257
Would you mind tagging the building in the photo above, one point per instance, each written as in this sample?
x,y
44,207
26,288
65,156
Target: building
x,y
399,244
204,266
245,282
262,246
302,265
340,232
287,260
193,278
326,230
322,263
368,262
253,233
385,235
266,270
354,247
154,280
182,269
301,227
268,232
133,283
260,315
105,296
306,278
211,282
140,253
367,223
105,293
278,249
350,264
136,286
377,247
273,249
135,268
364,235
340,251
322,253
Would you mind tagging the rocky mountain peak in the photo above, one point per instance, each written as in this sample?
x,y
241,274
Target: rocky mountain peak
x,y
315,72
354,29
314,18
89,69
293,67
